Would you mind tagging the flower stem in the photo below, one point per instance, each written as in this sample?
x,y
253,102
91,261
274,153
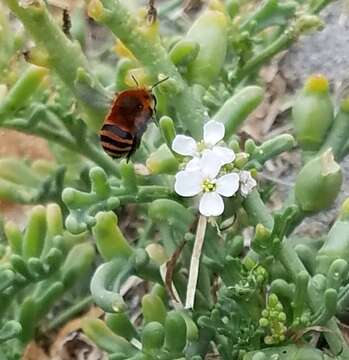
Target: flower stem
x,y
195,262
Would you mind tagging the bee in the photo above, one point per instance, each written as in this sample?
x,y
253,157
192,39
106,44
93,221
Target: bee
x,y
127,120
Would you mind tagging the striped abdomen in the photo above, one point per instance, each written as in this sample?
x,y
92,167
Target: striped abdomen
x,y
115,141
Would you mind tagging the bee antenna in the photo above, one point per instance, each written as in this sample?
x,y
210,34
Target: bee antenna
x,y
159,82
135,80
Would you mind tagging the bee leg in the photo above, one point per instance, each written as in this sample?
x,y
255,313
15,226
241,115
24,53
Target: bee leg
x,y
135,145
153,115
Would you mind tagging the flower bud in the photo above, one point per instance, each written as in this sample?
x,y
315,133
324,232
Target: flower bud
x,y
241,160
318,183
210,32
312,113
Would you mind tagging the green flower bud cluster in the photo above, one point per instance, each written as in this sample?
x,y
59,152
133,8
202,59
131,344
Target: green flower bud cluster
x,y
260,274
273,320
252,281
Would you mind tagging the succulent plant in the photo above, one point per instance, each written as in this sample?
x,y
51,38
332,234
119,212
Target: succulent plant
x,y
194,186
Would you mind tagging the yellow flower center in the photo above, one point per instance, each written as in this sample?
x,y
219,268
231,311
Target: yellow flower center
x,y
201,146
208,185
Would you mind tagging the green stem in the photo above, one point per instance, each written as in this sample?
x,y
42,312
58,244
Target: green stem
x,y
69,313
251,66
64,57
100,158
274,147
345,151
257,211
319,5
147,48
86,149
290,35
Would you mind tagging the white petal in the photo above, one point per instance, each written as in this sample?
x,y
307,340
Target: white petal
x,y
228,185
210,164
252,183
188,183
184,145
244,190
227,155
193,164
248,183
244,176
213,132
211,204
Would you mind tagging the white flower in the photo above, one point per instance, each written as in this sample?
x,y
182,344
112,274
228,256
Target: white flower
x,y
247,182
203,180
213,134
